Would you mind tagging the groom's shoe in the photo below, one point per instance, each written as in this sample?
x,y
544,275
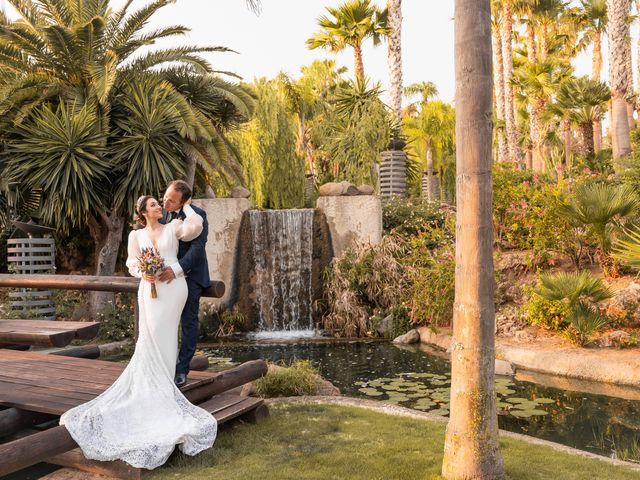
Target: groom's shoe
x,y
180,380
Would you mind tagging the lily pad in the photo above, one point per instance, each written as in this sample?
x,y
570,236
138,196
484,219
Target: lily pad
x,y
528,413
371,392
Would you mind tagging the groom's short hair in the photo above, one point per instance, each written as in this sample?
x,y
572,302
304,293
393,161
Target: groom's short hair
x,y
182,187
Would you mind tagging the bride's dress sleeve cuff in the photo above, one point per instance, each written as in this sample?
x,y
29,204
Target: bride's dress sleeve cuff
x,y
177,269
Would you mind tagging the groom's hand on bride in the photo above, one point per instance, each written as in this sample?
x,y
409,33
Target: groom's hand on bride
x,y
167,275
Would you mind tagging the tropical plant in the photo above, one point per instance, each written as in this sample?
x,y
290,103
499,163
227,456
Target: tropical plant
x,y
583,102
91,119
272,166
355,131
600,207
580,291
431,134
349,25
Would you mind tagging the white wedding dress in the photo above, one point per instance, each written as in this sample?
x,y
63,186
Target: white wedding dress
x,y
143,415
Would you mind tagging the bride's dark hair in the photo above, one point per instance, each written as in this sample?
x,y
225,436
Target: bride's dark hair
x,y
141,209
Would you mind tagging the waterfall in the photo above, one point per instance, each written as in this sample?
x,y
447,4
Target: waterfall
x,y
282,250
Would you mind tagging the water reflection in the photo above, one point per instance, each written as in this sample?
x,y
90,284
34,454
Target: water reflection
x,y
598,423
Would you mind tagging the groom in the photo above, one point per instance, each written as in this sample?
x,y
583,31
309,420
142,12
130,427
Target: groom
x,y
192,263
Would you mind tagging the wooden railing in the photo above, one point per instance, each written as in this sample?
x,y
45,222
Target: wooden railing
x,y
89,282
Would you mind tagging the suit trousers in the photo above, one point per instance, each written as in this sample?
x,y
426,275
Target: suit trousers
x,y
189,327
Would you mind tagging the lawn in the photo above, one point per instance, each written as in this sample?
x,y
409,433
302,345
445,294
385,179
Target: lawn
x,y
315,441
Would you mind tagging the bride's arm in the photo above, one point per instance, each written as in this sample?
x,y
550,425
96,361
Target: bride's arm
x,y
188,230
191,227
133,251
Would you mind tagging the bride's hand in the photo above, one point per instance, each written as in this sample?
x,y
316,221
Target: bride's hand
x,y
149,278
167,275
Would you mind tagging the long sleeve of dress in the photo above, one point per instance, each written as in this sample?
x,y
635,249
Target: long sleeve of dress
x,y
189,228
186,230
133,252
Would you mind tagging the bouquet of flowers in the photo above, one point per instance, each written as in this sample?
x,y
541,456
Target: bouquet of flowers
x,y
150,262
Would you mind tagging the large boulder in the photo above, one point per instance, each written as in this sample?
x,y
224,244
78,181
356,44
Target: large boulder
x,y
366,189
240,192
625,305
385,326
333,189
412,336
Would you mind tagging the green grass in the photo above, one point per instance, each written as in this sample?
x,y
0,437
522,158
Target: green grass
x,y
310,441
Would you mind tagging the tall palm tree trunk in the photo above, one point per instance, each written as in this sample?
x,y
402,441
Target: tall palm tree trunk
x,y
433,186
596,69
394,57
507,62
565,126
534,106
498,82
617,32
586,132
358,64
629,69
471,448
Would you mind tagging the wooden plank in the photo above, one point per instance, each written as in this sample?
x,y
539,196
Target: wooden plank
x,y
246,405
115,469
50,338
31,293
82,330
220,402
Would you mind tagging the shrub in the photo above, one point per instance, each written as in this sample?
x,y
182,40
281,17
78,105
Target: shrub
x,y
365,281
117,322
299,378
431,275
551,314
572,309
408,217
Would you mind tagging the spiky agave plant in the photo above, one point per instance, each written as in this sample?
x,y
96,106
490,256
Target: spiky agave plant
x,y
581,291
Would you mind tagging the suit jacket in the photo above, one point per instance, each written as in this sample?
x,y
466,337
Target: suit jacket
x,y
191,255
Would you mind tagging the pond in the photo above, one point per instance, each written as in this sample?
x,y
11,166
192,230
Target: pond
x,y
419,379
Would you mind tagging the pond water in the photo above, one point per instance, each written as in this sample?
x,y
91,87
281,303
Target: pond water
x,y
413,378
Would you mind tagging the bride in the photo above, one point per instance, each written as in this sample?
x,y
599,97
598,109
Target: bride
x,y
143,415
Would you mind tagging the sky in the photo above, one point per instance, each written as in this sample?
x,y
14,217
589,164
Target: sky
x,y
274,39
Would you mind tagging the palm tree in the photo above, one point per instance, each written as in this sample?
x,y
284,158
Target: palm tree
x,y
471,445
93,122
592,17
600,208
617,33
394,56
583,101
498,79
351,24
432,127
511,126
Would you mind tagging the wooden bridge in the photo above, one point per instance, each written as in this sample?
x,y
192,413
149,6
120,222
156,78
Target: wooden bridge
x,y
36,388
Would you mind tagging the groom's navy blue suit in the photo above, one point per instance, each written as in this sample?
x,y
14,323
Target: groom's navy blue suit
x,y
193,261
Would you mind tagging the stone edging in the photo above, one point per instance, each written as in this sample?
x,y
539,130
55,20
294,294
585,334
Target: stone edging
x,y
407,412
617,367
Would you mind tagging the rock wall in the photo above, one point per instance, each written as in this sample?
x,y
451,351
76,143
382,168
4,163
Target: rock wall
x,y
224,216
352,219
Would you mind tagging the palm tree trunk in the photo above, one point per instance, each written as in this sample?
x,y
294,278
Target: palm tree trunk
x,y
471,446
190,171
106,232
433,187
507,60
629,69
394,57
586,131
537,141
359,66
544,42
617,32
498,82
596,69
565,125
531,43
